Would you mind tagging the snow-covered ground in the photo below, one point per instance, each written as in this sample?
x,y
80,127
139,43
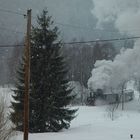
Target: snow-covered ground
x,y
93,123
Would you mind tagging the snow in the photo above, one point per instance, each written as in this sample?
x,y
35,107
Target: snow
x,y
93,123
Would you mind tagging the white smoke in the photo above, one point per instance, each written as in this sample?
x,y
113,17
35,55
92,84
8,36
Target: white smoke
x,y
111,74
124,13
126,17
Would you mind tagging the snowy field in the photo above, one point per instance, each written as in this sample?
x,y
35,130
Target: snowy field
x,y
94,123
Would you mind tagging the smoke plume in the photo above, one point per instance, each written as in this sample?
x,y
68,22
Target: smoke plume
x,y
126,18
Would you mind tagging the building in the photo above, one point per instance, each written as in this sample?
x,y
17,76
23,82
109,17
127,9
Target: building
x,y
110,98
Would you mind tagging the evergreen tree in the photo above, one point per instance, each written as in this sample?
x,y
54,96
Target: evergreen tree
x,y
49,94
18,96
49,78
18,103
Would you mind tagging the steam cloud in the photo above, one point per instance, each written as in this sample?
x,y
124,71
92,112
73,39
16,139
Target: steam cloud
x,y
126,17
125,14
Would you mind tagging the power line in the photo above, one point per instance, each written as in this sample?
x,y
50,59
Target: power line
x,y
65,24
94,29
82,42
79,27
12,12
102,40
89,28
68,25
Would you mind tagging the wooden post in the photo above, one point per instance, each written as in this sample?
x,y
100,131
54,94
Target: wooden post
x,y
27,77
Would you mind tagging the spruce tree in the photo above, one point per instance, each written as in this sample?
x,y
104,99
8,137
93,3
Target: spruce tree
x,y
18,96
17,103
49,78
49,93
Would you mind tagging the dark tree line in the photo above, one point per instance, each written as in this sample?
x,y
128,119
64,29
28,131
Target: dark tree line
x,y
82,57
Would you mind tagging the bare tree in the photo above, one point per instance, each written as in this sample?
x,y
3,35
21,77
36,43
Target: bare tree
x,y
6,130
122,94
112,107
137,80
111,110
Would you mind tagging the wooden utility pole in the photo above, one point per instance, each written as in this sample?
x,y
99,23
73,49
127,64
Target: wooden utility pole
x,y
27,76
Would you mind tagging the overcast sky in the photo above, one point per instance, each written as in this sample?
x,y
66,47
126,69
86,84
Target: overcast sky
x,y
73,12
109,16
